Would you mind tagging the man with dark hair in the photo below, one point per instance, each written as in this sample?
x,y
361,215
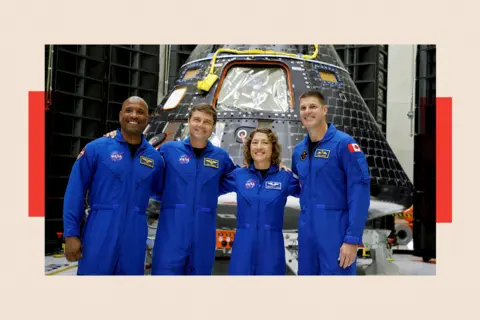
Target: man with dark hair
x,y
205,108
335,194
185,242
120,175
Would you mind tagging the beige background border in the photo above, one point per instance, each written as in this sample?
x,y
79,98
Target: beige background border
x,y
25,26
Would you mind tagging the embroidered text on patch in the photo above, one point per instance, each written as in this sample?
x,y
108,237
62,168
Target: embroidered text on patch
x,y
213,163
146,161
322,153
250,184
273,185
184,159
116,156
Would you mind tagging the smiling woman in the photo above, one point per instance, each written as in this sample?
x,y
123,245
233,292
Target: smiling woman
x,y
262,190
262,148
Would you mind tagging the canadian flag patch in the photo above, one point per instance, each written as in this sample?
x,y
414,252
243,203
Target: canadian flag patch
x,y
353,147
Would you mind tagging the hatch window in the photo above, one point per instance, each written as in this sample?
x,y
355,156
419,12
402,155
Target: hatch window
x,y
253,89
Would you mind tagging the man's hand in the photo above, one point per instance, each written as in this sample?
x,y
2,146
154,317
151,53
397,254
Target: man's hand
x,y
73,249
348,254
111,134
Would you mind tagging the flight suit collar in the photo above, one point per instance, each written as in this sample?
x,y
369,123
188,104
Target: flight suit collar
x,y
273,168
119,138
187,143
328,135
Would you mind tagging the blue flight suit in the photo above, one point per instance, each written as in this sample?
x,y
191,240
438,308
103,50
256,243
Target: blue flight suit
x,y
259,246
334,200
185,241
115,232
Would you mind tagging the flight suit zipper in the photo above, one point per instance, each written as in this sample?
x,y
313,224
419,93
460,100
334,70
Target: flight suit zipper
x,y
194,204
129,208
255,255
311,172
197,162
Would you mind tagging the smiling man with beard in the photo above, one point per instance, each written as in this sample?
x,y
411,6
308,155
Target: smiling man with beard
x,y
335,193
120,175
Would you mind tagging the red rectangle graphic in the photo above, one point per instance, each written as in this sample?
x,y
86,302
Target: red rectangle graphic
x,y
444,159
36,154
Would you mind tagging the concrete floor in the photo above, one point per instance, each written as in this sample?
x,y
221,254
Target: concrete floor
x,y
407,264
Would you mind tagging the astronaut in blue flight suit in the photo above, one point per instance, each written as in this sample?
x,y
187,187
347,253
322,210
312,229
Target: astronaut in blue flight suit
x,y
335,193
120,175
185,241
262,190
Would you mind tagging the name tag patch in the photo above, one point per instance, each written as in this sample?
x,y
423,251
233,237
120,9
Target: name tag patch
x,y
146,161
212,163
322,153
273,185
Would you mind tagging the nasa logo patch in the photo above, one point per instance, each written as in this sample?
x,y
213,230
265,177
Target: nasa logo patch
x,y
116,156
184,159
250,184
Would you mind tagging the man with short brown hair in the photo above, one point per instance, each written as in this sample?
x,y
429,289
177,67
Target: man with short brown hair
x,y
185,242
205,108
335,193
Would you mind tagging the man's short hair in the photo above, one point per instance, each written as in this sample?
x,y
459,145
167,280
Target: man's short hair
x,y
316,94
205,108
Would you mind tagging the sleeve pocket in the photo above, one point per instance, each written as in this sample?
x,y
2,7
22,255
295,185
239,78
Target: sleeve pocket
x,y
363,166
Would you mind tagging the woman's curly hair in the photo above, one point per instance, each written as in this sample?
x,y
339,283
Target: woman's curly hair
x,y
272,137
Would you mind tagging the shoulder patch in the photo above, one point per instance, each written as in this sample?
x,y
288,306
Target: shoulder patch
x,y
82,152
353,147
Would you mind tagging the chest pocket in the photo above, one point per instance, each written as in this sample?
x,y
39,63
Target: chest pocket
x,y
323,158
248,188
183,165
144,169
211,169
115,164
302,169
272,189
